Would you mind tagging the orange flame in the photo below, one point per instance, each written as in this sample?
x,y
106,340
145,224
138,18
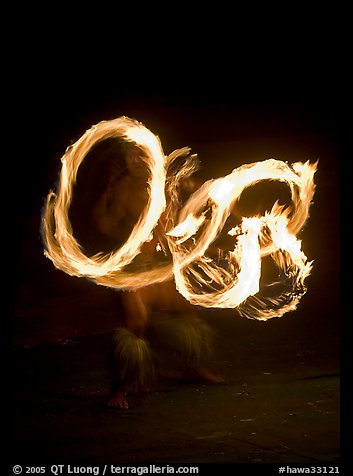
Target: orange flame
x,y
230,281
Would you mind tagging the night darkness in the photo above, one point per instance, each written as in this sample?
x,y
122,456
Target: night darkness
x,y
61,324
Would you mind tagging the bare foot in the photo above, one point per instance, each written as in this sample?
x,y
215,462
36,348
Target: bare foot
x,y
203,375
171,374
118,400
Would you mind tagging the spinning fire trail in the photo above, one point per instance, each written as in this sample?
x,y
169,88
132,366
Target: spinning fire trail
x,y
185,236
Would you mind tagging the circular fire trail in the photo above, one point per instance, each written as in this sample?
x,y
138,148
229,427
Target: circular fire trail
x,y
185,236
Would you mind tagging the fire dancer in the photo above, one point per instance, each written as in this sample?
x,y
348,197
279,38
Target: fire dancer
x,y
130,357
119,221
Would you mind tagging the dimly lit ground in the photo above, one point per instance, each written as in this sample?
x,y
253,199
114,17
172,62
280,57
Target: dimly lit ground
x,y
280,403
281,398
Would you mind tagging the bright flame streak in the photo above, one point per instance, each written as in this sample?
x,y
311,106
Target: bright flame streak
x,y
199,279
224,193
247,282
61,246
187,228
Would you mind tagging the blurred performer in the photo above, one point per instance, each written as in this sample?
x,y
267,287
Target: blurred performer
x,y
118,206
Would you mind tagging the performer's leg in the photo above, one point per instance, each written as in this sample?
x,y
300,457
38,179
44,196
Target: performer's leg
x,y
130,356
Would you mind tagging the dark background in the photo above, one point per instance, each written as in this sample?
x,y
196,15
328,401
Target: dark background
x,y
227,123
228,118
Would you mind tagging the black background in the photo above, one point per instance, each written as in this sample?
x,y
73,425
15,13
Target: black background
x,y
229,111
226,120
